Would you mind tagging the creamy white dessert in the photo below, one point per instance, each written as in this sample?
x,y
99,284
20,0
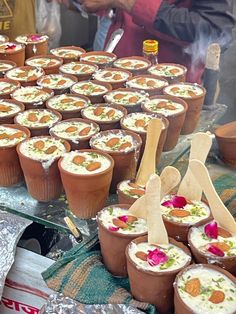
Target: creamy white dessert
x,y
138,121
190,211
36,118
66,52
67,102
131,64
5,66
167,70
10,136
224,241
43,149
111,142
171,257
110,76
56,81
102,113
85,163
43,62
126,98
88,88
163,106
74,130
24,74
184,90
8,108
31,94
2,39
119,220
78,68
98,59
207,291
146,83
31,39
10,47
131,189
6,87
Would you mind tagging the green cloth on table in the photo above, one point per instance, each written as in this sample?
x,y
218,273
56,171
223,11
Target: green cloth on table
x,y
81,275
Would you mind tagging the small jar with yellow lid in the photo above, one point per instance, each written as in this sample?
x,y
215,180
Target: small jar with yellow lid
x,y
150,50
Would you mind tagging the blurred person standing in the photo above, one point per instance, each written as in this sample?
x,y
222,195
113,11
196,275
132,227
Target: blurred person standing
x,y
17,17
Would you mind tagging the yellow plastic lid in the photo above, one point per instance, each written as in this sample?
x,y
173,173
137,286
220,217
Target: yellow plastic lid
x,y
150,45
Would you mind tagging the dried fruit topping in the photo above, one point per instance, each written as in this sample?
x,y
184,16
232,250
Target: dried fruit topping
x,y
140,123
137,192
175,89
78,160
193,287
112,142
50,150
221,246
79,104
180,213
45,119
224,233
191,93
133,99
39,145
16,135
119,96
141,255
66,100
93,166
174,71
98,111
4,108
151,83
117,77
217,297
4,136
125,145
119,223
111,113
85,131
71,129
61,82
32,117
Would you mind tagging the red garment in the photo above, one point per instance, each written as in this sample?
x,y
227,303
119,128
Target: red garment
x,y
139,26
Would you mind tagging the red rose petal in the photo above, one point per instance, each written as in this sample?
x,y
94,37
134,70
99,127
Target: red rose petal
x,y
211,230
156,257
123,218
215,251
112,228
176,202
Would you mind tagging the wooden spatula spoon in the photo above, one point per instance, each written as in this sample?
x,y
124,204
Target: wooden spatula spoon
x,y
148,162
170,178
218,209
200,147
157,233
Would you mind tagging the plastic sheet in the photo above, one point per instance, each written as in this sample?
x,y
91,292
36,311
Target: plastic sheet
x,y
11,229
58,304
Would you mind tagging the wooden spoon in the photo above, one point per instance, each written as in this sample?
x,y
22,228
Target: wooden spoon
x,y
148,162
200,147
157,233
218,209
170,178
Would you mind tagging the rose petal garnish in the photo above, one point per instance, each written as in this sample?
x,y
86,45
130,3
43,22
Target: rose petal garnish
x,y
11,46
35,37
111,228
123,218
176,202
215,250
211,230
156,257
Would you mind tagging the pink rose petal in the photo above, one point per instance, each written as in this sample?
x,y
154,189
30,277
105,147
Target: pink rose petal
x,y
176,202
111,228
156,257
35,37
215,250
123,218
211,230
11,46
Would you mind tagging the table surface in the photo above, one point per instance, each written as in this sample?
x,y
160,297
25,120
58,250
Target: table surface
x,y
17,200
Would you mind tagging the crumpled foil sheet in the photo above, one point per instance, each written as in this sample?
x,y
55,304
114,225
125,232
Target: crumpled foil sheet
x,y
11,229
58,304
